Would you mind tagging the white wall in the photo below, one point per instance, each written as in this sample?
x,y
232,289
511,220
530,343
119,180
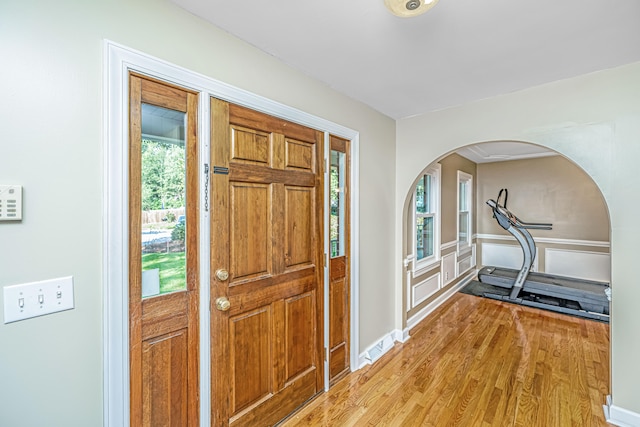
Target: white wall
x,y
595,121
51,105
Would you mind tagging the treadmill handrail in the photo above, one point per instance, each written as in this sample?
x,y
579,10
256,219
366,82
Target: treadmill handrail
x,y
506,196
535,225
518,229
505,213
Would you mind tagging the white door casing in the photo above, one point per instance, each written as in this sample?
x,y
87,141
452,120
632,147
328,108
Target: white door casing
x,y
118,61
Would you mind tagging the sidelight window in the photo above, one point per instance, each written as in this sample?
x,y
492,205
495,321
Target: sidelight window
x,y
163,193
337,198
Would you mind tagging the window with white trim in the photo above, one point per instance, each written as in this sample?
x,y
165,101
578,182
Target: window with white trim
x,y
465,203
427,214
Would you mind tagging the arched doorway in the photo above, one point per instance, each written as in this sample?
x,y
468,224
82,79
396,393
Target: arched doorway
x,y
441,253
461,234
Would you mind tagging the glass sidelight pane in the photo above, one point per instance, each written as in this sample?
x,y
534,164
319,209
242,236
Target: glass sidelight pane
x,y
163,201
337,197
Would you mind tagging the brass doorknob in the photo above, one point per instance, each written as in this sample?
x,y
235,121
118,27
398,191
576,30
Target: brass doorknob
x,y
222,274
223,304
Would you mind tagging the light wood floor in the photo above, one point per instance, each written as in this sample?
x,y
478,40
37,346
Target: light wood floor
x,y
478,362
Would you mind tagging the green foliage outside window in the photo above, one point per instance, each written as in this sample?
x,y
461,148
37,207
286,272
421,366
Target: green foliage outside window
x,y
163,180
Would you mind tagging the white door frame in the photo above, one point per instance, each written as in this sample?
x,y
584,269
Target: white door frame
x,y
118,62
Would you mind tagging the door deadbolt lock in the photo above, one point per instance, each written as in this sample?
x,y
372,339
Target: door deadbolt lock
x,y
222,274
223,304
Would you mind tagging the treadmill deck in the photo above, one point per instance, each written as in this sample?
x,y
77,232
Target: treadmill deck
x,y
589,294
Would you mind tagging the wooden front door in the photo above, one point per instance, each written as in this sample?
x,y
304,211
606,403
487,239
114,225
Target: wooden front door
x,y
163,255
339,274
266,263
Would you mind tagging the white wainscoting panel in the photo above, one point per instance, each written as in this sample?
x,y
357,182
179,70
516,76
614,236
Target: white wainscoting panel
x,y
473,256
580,264
446,294
448,268
464,264
425,289
507,256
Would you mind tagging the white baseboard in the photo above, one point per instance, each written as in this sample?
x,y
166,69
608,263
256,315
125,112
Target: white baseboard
x,y
619,416
419,316
362,360
377,350
402,336
383,345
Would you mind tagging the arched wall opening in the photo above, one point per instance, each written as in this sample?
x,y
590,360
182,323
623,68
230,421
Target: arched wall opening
x,y
594,120
544,186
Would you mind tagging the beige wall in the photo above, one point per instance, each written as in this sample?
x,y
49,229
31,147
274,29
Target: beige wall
x,y
51,106
548,189
551,190
594,120
450,167
51,368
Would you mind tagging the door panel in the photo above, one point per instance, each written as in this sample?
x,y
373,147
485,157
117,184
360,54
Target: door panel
x,y
299,155
165,379
339,354
250,145
339,302
163,305
300,338
249,230
251,357
298,218
267,232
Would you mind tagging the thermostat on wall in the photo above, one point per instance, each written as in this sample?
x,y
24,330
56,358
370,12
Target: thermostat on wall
x,y
10,202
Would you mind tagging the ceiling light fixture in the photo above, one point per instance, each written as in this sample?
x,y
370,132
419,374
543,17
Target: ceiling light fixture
x,y
409,8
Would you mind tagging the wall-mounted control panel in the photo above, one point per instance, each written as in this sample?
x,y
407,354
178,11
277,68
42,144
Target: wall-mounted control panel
x,y
10,202
37,298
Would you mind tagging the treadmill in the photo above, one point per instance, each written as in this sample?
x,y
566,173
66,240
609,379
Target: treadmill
x,y
583,298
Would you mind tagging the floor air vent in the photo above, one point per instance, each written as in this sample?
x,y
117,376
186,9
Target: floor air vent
x,y
376,351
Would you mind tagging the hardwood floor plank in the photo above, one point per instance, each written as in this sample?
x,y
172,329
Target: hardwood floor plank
x,y
477,362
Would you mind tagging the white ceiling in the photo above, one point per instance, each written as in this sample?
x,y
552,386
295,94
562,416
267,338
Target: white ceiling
x,y
458,52
501,151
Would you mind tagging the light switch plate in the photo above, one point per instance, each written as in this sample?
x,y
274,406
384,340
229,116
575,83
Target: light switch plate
x,y
37,298
10,202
